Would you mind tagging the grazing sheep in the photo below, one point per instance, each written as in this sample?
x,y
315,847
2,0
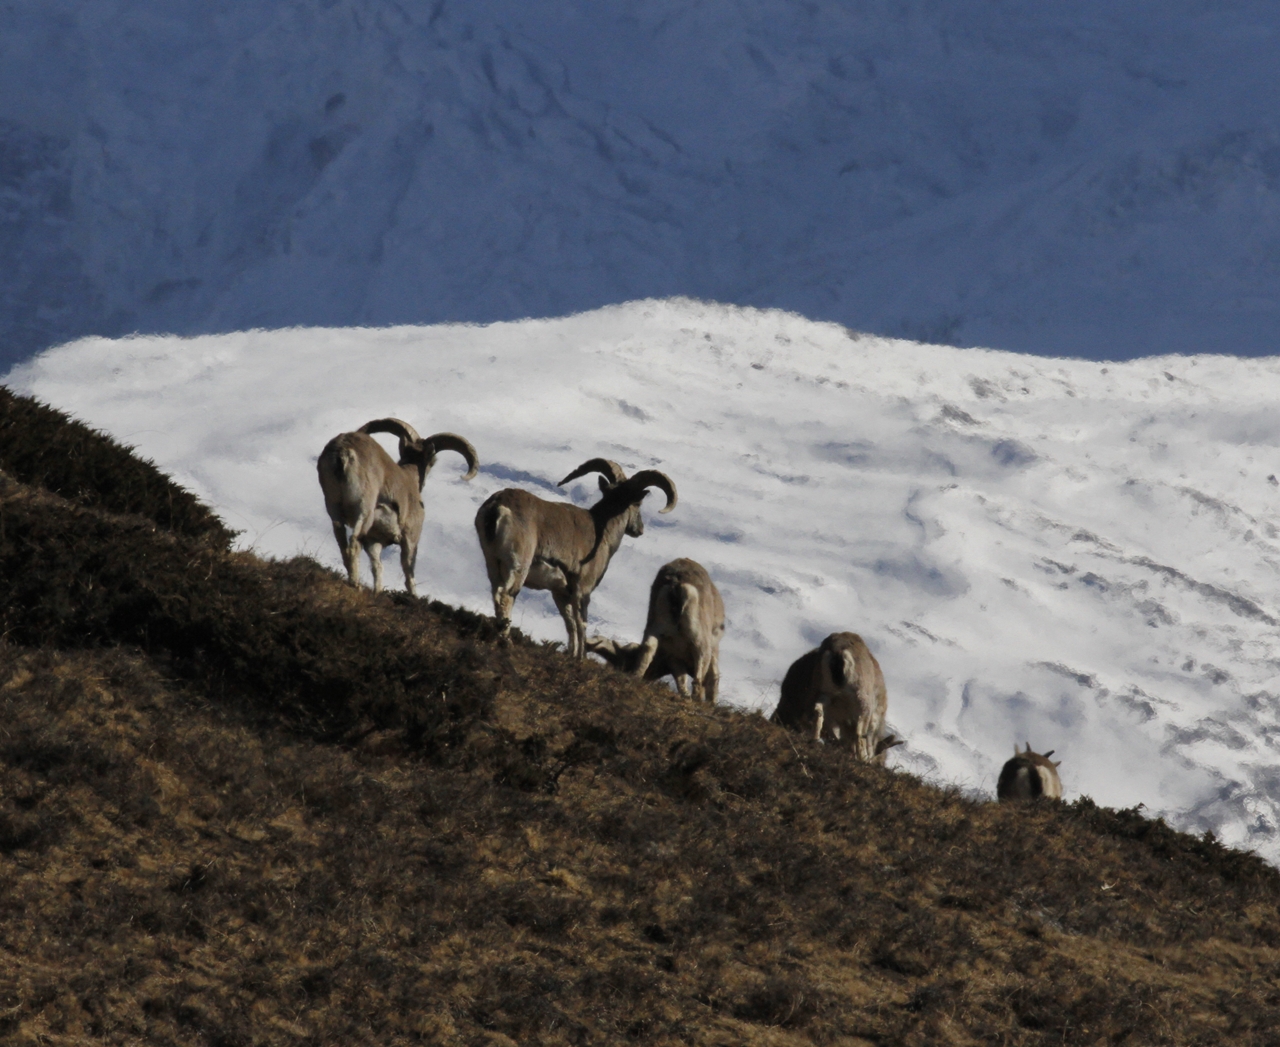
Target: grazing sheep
x,y
1029,776
379,499
682,633
558,546
837,692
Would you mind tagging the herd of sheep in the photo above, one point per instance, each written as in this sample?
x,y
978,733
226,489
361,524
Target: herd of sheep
x,y
835,693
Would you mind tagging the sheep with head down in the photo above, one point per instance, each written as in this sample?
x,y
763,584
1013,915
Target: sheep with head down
x,y
1029,776
837,693
681,635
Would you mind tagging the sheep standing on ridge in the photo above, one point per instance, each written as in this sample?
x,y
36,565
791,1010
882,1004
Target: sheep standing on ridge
x,y
378,499
1028,776
530,542
837,692
682,633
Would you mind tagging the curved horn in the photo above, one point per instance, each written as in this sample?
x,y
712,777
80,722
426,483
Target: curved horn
x,y
646,478
453,442
597,465
406,433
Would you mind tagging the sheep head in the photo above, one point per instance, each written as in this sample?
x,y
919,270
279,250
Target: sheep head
x,y
420,452
622,495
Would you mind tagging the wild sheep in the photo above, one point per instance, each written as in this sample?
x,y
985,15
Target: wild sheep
x,y
682,633
837,692
378,499
558,546
1028,776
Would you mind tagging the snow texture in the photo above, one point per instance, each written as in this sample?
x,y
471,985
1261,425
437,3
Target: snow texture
x,y
1088,179
1079,555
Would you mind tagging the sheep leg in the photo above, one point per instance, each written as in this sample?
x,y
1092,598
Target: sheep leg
x,y
350,549
701,676
502,601
408,560
374,549
565,605
698,677
819,715
581,603
682,684
648,649
505,579
867,737
711,682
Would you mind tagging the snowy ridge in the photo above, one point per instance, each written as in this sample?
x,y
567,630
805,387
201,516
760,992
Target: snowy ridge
x,y
1093,179
1084,556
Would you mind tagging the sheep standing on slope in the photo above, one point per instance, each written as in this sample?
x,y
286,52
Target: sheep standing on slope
x,y
378,499
837,691
682,633
1029,776
558,546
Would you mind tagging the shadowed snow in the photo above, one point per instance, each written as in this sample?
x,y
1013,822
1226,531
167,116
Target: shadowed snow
x,y
1089,179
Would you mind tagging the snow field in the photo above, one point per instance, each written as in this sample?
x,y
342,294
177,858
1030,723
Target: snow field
x,y
1083,556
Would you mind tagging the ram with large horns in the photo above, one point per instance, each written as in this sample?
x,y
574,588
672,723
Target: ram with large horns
x,y
531,543
374,501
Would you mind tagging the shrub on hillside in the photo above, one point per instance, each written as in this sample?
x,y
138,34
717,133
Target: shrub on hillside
x,y
43,447
286,638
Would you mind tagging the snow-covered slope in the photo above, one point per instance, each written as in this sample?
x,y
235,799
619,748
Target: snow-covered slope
x,y
1078,555
1089,179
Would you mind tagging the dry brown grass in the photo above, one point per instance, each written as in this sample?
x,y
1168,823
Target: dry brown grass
x,y
43,447
241,803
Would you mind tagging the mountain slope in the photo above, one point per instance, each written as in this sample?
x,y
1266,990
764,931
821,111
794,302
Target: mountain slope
x,y
1101,181
1077,555
203,844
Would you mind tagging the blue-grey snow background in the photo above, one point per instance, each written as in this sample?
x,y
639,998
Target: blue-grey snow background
x,y
1092,179
1079,554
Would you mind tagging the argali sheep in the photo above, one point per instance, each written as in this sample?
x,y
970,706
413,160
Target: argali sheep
x,y
558,546
682,633
377,499
1028,776
837,692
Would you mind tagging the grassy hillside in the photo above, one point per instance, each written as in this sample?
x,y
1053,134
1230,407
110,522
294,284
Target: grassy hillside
x,y
241,803
42,446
